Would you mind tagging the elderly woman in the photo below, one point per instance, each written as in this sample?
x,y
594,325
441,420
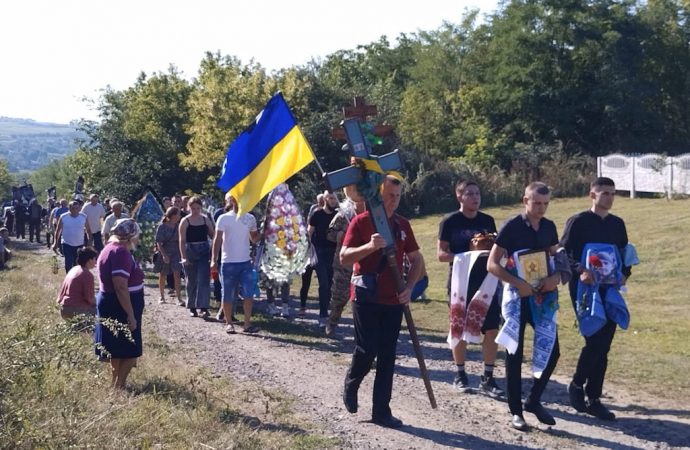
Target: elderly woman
x,y
77,295
168,245
195,231
120,302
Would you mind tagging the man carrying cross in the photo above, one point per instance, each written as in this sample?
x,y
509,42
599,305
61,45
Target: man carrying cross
x,y
377,308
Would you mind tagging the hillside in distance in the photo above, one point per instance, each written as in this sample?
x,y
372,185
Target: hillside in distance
x,y
28,145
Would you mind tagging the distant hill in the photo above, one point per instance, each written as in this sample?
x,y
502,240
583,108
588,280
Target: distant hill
x,y
28,145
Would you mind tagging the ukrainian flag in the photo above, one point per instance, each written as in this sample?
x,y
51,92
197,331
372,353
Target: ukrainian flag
x,y
266,154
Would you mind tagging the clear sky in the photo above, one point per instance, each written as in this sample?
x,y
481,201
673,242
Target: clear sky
x,y
54,53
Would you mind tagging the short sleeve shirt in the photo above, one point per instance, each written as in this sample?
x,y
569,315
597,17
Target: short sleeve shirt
x,y
517,234
73,229
321,220
77,289
359,233
94,213
116,261
458,230
236,236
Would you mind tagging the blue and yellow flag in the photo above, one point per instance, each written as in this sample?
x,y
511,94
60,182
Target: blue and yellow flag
x,y
266,154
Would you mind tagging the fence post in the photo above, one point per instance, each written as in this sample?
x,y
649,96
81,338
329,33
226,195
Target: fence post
x,y
632,177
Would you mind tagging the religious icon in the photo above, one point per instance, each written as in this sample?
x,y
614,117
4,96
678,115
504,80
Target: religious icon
x,y
533,266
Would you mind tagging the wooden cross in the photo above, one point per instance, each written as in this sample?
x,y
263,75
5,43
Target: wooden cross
x,y
361,111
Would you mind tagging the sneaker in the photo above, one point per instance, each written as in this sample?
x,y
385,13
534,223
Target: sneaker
x,y
488,386
273,310
330,329
460,383
577,397
596,409
322,322
205,314
181,303
193,313
161,300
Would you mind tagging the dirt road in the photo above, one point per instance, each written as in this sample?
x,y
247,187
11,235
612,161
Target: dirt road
x,y
288,357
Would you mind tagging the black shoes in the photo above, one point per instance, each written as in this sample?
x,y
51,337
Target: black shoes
x,y
540,412
577,397
596,409
193,313
350,398
518,423
388,422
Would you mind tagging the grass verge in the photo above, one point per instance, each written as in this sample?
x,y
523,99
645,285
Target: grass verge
x,y
54,394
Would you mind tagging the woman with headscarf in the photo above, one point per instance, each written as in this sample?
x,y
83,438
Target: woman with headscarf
x,y
168,246
120,302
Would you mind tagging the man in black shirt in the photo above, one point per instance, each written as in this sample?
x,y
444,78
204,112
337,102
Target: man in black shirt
x,y
595,225
529,230
455,233
325,250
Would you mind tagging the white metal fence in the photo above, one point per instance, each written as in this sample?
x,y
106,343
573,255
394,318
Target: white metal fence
x,y
647,173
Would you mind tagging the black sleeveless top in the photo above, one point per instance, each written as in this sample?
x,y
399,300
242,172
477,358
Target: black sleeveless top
x,y
197,233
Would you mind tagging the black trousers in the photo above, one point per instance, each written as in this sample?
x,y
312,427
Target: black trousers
x,y
514,366
306,284
377,328
20,228
35,230
591,367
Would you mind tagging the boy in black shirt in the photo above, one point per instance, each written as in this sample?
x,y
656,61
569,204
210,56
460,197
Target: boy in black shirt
x,y
455,233
595,225
529,230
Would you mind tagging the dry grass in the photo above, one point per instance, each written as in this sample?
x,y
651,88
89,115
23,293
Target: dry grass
x,y
53,394
652,355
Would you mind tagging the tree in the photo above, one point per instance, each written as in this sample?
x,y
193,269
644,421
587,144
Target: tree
x,y
6,180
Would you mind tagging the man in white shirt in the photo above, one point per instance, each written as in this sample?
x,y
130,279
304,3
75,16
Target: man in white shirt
x,y
117,213
70,233
234,234
94,212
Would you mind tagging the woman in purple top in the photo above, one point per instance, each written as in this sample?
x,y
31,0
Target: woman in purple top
x,y
120,302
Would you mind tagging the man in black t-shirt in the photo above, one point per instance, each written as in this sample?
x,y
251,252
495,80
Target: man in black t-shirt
x,y
325,250
529,230
454,235
596,225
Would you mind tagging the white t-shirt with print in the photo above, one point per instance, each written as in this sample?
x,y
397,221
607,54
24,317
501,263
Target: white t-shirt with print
x,y
236,236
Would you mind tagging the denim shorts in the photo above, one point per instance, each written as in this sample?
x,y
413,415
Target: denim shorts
x,y
234,276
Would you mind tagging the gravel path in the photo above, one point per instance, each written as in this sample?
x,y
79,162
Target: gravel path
x,y
287,357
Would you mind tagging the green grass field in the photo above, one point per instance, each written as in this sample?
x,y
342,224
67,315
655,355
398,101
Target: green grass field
x,y
652,355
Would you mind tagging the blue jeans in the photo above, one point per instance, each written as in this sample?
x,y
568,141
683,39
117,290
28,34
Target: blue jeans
x,y
324,273
97,241
198,273
70,253
234,276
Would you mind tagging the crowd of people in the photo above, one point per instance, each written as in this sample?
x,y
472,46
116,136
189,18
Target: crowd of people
x,y
492,290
